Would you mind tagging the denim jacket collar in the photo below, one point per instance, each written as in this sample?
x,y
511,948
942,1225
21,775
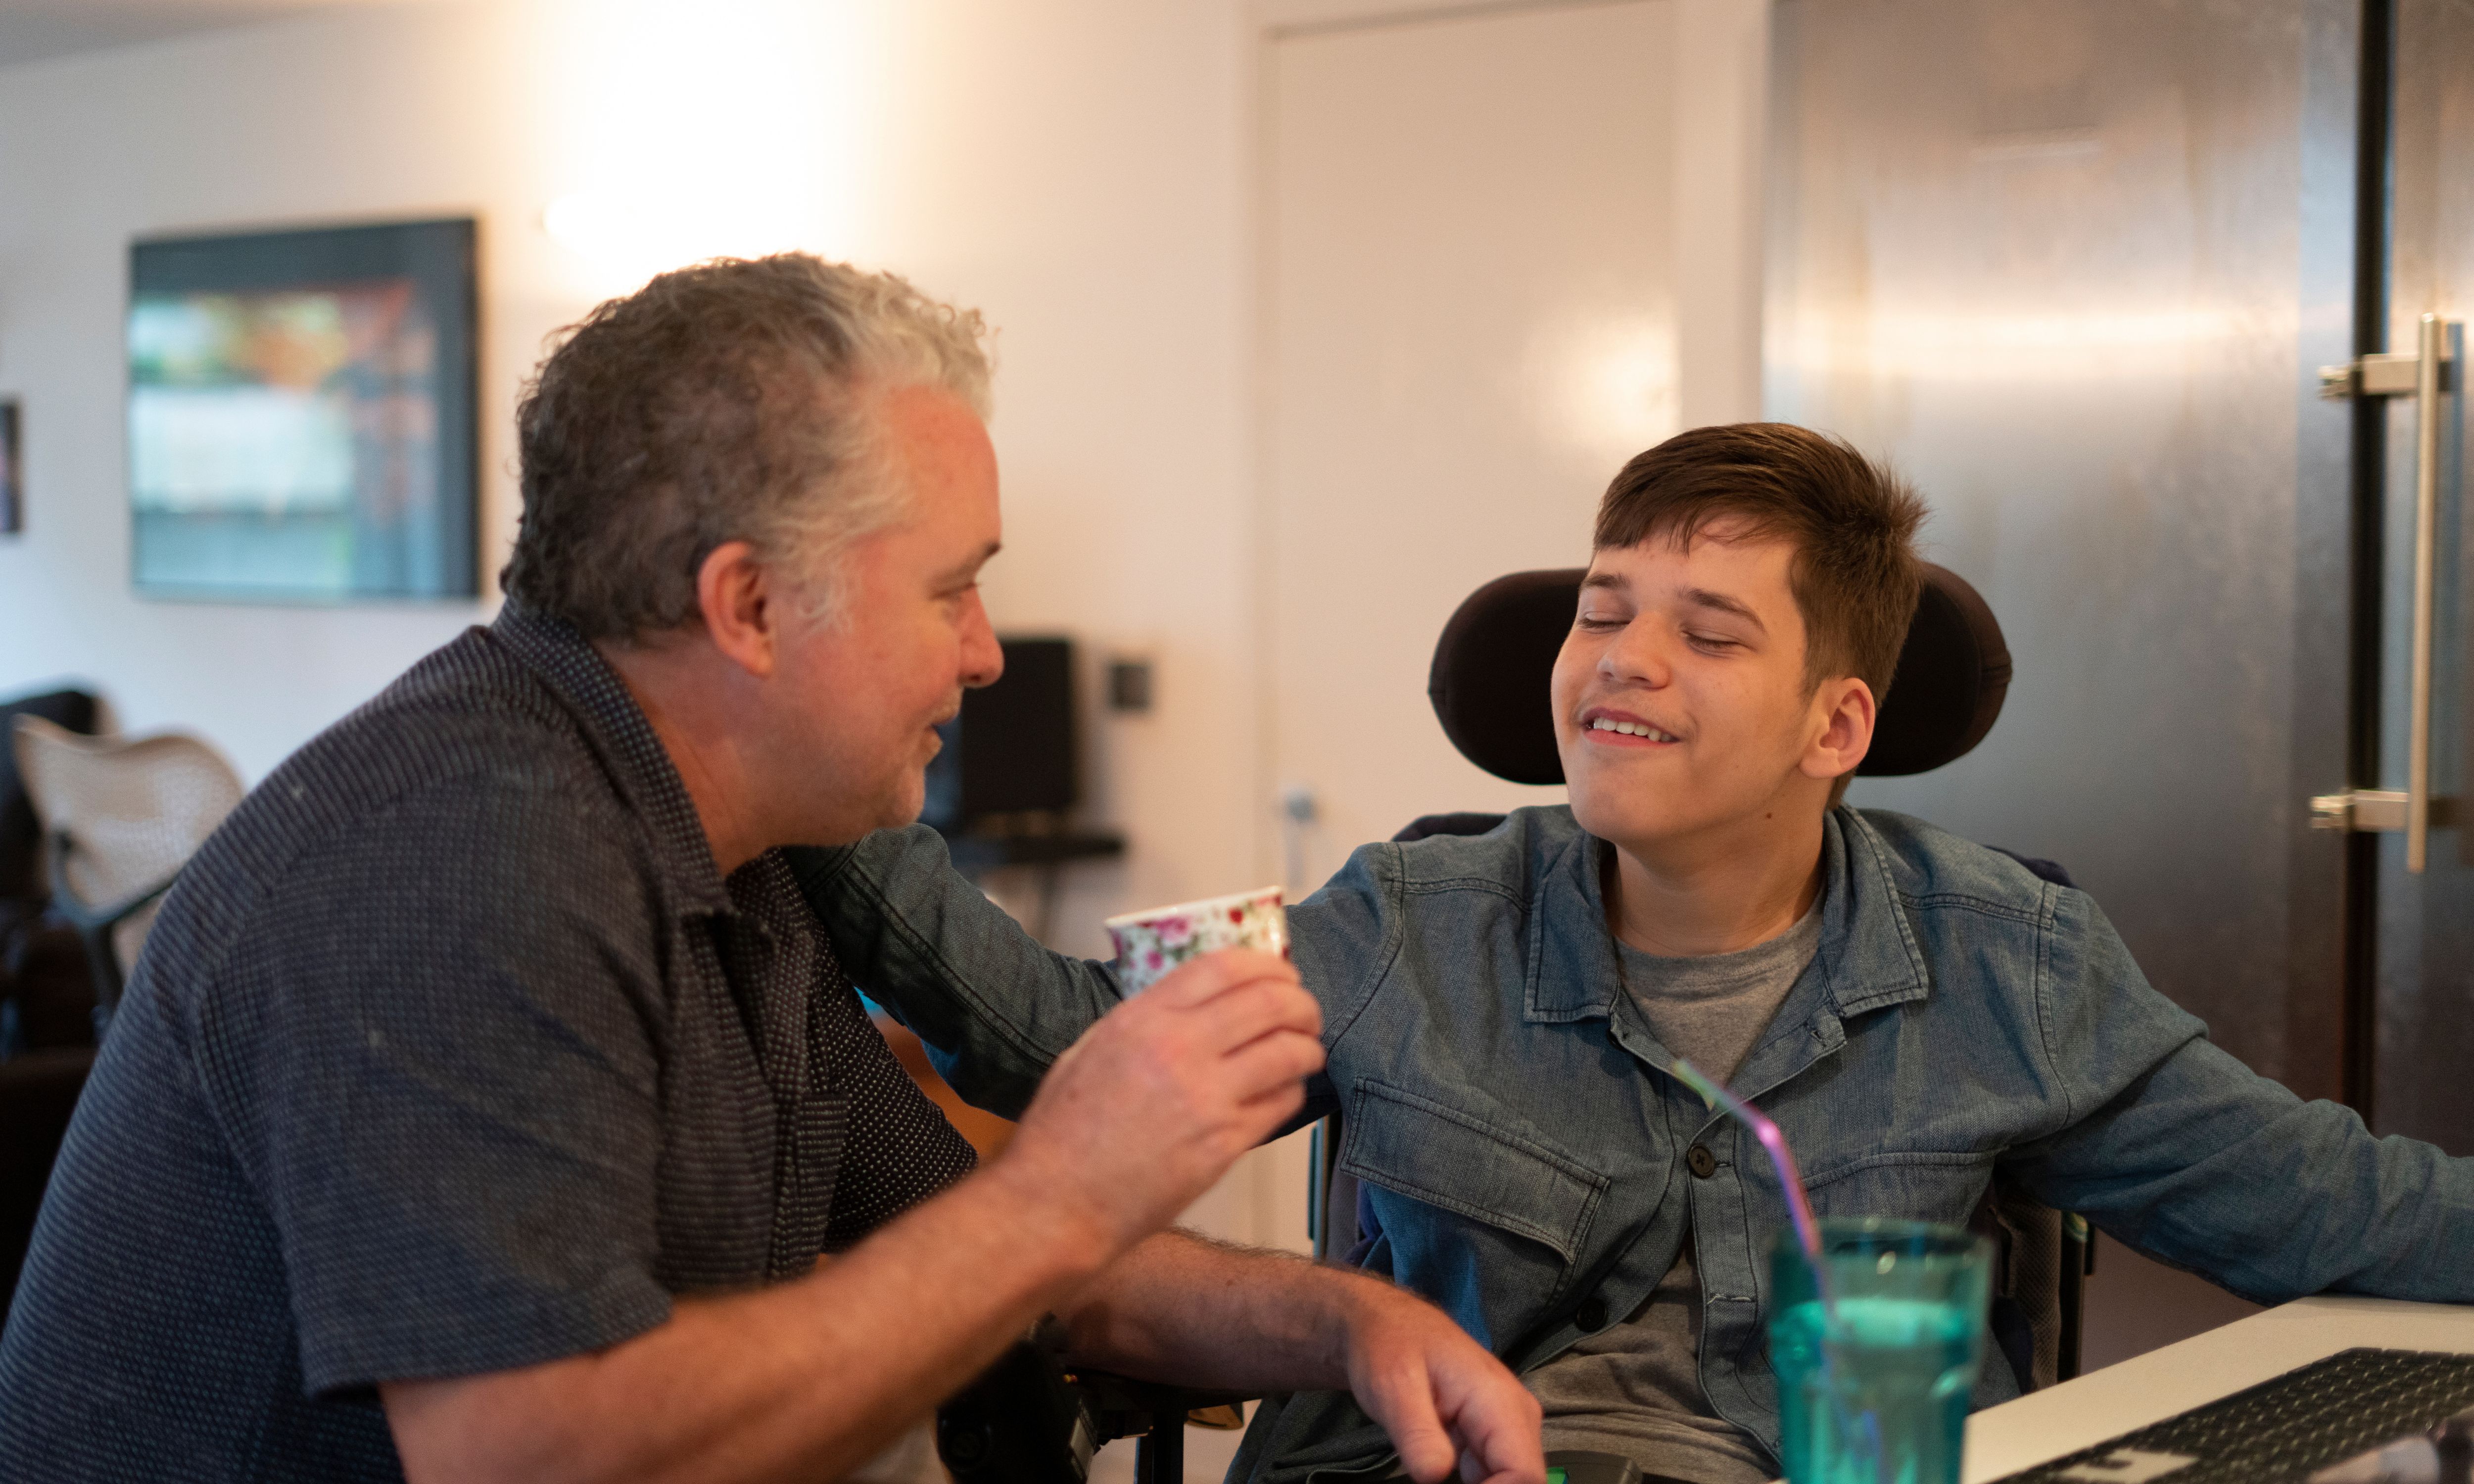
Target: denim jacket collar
x,y
1868,958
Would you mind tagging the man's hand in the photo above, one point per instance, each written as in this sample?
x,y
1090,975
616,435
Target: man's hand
x,y
808,1378
1186,1308
1442,1398
1154,1103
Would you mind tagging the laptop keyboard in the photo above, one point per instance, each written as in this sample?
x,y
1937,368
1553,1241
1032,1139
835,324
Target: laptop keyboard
x,y
2280,1429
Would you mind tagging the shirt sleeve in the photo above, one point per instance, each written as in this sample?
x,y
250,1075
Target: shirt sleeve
x,y
994,1007
433,1052
2179,1150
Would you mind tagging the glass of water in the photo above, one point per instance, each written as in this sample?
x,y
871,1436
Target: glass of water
x,y
1874,1382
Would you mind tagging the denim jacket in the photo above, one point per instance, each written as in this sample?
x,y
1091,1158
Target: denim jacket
x,y
1530,1160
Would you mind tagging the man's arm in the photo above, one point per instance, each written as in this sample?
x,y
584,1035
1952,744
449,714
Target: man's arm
x,y
804,1380
814,1376
1211,1315
993,1005
2179,1150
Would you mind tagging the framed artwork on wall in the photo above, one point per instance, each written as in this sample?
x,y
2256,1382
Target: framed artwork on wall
x,y
13,482
302,413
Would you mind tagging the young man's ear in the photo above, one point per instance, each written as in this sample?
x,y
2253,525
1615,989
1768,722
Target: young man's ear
x,y
1845,712
741,611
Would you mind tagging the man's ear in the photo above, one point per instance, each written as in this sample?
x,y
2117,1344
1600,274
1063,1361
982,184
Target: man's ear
x,y
1845,708
743,611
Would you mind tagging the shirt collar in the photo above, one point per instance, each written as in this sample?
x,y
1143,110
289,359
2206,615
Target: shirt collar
x,y
614,727
1868,942
1868,954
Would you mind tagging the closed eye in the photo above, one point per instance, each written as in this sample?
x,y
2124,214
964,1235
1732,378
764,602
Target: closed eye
x,y
1597,623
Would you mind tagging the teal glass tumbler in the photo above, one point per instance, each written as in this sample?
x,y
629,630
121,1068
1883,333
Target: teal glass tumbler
x,y
1878,1396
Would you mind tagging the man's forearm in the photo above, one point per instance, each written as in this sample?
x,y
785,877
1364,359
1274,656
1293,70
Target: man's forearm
x,y
802,1381
810,1377
1179,1307
995,1006
2174,1167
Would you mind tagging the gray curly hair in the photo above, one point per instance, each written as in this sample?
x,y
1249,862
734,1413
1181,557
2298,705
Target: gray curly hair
x,y
727,401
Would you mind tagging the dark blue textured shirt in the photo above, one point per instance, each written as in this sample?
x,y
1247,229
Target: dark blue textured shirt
x,y
452,1052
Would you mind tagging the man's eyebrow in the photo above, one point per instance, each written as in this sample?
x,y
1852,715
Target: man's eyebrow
x,y
1702,597
1608,580
961,570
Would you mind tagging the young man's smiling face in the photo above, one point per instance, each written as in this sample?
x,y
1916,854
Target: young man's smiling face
x,y
1681,708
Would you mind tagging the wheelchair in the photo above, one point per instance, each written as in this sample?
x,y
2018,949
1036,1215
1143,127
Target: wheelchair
x,y
1034,1419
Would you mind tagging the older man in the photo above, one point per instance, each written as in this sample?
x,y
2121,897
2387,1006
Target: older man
x,y
488,1105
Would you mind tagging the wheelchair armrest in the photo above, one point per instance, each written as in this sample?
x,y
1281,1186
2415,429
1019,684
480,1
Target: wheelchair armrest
x,y
1032,1419
1127,1408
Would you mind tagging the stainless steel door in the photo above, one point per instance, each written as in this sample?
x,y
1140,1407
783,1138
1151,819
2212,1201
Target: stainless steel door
x,y
2422,1076
2072,265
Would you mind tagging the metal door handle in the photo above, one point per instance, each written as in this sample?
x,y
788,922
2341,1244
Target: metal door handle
x,y
2386,375
2426,537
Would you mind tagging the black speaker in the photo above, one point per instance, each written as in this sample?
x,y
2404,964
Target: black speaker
x,y
1011,749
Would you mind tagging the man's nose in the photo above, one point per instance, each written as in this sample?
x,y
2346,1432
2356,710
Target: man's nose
x,y
1638,656
983,657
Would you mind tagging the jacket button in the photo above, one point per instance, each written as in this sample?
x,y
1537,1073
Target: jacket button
x,y
1591,1315
1701,1162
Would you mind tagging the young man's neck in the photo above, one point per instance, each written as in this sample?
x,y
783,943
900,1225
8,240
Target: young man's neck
x,y
1718,892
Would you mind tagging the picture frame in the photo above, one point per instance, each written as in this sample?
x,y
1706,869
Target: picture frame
x,y
12,479
302,413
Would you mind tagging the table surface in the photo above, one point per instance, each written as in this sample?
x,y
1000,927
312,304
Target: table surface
x,y
2150,1388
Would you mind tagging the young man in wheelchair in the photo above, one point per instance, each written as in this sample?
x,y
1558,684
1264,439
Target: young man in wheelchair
x,y
1917,1012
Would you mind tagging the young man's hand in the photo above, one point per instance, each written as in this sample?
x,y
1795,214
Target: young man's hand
x,y
1443,1400
1155,1101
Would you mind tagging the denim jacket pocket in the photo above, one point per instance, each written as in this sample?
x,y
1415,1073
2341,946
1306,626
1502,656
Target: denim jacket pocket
x,y
1459,1163
1916,1185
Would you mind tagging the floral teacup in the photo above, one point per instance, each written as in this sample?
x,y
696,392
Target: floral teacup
x,y
1151,944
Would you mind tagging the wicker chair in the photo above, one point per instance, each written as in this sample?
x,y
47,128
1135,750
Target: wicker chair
x,y
120,817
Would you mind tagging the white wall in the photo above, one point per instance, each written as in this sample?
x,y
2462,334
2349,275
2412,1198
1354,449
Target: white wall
x,y
1072,169
1080,170
275,125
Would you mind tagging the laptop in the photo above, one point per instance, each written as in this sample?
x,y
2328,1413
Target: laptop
x,y
2358,1417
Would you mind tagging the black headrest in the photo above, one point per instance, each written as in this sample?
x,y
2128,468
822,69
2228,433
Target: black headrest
x,y
1494,661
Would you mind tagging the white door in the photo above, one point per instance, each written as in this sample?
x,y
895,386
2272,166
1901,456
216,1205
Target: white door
x,y
1471,324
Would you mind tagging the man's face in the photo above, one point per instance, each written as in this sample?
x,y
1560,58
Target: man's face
x,y
865,690
1697,655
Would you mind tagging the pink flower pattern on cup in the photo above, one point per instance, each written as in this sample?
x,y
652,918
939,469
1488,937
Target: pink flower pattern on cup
x,y
1153,943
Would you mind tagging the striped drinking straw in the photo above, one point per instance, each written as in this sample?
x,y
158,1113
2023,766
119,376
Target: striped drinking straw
x,y
1799,1206
1860,1428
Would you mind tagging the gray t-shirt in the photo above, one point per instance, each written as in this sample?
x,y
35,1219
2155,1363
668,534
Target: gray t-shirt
x,y
1634,1389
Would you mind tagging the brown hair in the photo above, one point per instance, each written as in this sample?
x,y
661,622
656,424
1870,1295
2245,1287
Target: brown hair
x,y
1856,574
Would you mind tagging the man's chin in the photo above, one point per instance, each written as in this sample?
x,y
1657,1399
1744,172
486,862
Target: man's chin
x,y
1639,826
857,822
902,808
1636,830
